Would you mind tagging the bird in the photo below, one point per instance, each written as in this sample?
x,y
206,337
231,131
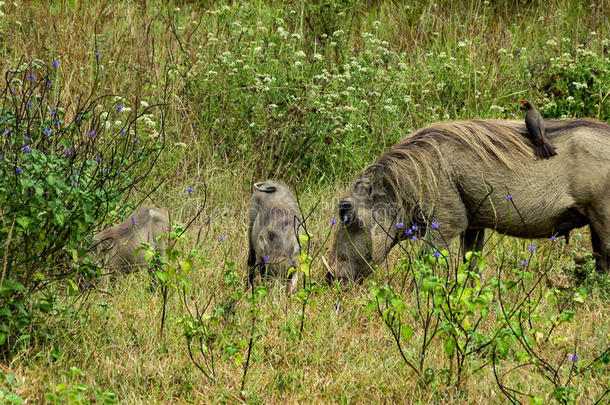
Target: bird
x,y
536,131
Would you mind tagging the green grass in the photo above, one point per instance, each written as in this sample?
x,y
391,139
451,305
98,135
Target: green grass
x,y
310,93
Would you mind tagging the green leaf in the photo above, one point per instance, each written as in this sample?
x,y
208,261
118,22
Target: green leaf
x,y
535,400
449,346
24,222
13,399
162,275
406,332
502,347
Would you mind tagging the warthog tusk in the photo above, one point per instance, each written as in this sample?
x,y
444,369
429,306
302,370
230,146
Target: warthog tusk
x,y
327,266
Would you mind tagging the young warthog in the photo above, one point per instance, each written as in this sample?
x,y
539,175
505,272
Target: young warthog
x,y
115,248
461,177
273,230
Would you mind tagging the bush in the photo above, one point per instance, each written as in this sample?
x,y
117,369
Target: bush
x,y
63,169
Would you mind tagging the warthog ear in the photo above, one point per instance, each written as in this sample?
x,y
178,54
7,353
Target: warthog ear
x,y
347,211
369,181
265,187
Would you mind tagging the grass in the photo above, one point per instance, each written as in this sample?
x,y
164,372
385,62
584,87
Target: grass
x,y
340,84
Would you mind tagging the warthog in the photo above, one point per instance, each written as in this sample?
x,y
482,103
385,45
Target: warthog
x,y
461,177
273,229
115,248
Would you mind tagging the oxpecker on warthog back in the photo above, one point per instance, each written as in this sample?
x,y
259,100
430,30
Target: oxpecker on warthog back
x,y
116,246
273,229
461,177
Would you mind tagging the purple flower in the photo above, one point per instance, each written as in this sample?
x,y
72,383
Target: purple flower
x,y
31,76
345,218
415,227
13,91
122,132
53,112
553,238
47,131
106,170
574,358
29,104
399,225
97,159
524,262
57,123
92,134
508,197
73,182
189,190
6,132
333,222
434,225
136,139
119,108
436,254
18,170
27,138
133,220
532,249
266,258
26,149
97,54
414,237
67,151
222,239
54,64
409,232
49,83
0,156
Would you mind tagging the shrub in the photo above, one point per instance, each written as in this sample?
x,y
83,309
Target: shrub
x,y
63,169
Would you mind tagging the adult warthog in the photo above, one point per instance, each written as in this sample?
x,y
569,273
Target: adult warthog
x,y
460,177
273,233
116,248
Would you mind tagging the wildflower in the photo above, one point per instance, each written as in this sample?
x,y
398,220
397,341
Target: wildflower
x,y
97,159
119,108
333,222
6,132
18,170
574,358
92,134
415,227
29,104
54,64
553,238
53,112
49,83
47,131
222,239
31,76
434,225
73,182
106,170
123,132
67,151
133,220
414,237
436,254
26,149
399,225
345,218
27,138
136,139
189,190
508,197
524,262
97,54
13,91
266,258
532,249
409,232
57,123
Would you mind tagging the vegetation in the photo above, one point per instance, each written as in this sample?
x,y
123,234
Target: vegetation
x,y
189,103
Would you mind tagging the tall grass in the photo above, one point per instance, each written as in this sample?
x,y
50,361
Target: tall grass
x,y
308,92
